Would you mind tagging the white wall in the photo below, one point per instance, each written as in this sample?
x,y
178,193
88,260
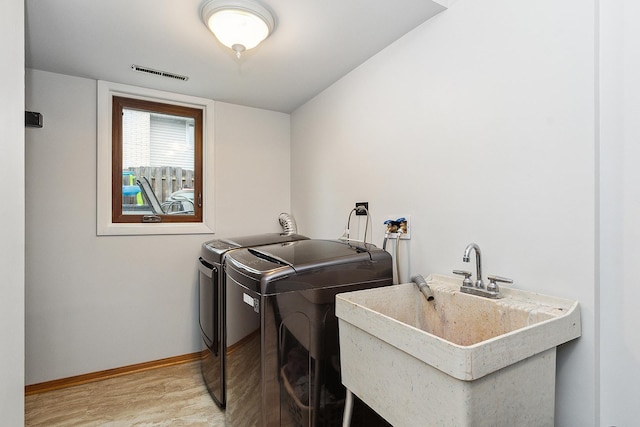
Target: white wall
x,y
95,303
620,212
253,157
12,213
480,124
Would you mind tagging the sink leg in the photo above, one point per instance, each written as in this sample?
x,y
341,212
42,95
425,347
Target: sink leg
x,y
348,409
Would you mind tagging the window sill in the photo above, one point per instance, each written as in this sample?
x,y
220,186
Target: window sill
x,y
113,229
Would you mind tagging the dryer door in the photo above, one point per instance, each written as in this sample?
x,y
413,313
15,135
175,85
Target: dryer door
x,y
211,314
209,304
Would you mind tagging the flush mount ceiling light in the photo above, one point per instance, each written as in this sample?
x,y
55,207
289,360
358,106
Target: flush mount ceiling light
x,y
238,24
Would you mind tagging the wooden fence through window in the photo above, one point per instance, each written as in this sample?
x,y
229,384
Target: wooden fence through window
x,y
164,180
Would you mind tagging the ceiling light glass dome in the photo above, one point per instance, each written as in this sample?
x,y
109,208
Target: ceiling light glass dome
x,y
238,24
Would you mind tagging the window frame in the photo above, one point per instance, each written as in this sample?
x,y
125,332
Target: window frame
x,y
107,187
120,103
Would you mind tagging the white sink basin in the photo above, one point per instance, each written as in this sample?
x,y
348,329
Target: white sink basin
x,y
457,360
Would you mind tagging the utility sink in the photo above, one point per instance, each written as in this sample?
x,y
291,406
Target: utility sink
x,y
459,360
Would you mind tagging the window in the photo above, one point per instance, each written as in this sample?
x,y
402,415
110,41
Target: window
x,y
155,162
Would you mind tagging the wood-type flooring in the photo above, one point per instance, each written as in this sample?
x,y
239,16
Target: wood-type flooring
x,y
168,396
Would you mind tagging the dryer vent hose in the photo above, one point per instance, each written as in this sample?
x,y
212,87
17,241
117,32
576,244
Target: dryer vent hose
x,y
288,223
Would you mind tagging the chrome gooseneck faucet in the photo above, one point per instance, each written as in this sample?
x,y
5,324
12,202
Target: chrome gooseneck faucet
x,y
465,258
492,290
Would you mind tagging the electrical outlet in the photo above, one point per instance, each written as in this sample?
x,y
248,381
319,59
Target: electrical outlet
x,y
362,204
399,228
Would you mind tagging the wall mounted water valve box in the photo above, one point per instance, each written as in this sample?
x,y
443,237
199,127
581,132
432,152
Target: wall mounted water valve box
x,y
398,225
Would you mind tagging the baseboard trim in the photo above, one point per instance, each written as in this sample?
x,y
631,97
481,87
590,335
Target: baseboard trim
x,y
110,373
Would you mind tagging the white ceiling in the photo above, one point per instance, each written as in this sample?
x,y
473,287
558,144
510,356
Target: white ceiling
x,y
315,42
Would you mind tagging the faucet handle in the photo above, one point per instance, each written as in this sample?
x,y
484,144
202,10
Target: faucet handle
x,y
467,277
493,286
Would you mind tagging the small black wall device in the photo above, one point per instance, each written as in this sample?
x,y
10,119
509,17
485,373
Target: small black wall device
x,y
32,119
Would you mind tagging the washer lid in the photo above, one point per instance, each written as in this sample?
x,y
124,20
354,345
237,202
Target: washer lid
x,y
308,265
220,246
313,253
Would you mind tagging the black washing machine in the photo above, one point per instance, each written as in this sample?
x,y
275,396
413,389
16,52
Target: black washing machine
x,y
284,369
212,309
